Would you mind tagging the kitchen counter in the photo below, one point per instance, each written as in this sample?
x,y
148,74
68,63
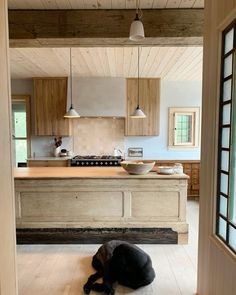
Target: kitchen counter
x,y
104,199
86,172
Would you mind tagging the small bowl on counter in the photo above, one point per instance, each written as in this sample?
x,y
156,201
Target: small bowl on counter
x,y
165,170
137,167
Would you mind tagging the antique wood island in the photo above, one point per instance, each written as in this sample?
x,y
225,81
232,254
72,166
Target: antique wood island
x,y
67,204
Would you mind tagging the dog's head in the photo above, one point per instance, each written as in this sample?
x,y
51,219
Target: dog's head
x,y
132,266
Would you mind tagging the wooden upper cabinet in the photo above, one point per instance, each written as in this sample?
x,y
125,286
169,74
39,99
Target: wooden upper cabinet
x,y
50,99
149,102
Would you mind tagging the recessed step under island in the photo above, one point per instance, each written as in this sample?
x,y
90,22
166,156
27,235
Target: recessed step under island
x,y
93,205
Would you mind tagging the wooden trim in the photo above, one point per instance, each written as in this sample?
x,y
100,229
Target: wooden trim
x,y
50,25
8,282
195,112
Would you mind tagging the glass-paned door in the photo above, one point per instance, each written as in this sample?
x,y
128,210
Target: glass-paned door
x,y
226,192
20,130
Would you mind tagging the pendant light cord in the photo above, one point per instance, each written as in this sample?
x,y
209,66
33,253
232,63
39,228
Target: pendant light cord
x,y
139,12
70,79
138,76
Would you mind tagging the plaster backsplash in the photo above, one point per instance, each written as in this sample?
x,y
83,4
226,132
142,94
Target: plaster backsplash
x,y
98,136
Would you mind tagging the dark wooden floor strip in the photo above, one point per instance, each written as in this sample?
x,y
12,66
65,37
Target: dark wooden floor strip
x,y
96,235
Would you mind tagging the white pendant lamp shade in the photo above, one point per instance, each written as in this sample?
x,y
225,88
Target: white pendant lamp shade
x,y
136,32
138,114
71,114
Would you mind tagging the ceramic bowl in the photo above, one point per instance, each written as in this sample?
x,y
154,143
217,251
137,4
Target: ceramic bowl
x,y
137,167
165,170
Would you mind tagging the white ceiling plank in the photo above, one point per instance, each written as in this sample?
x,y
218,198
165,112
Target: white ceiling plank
x,y
150,60
171,63
85,53
118,4
146,4
63,4
188,56
161,59
130,4
175,58
159,4
49,4
127,60
133,63
199,4
111,61
79,65
93,54
192,65
119,61
145,51
104,4
102,54
77,4
186,4
173,3
90,4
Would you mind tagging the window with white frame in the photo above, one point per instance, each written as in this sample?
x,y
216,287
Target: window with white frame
x,y
184,127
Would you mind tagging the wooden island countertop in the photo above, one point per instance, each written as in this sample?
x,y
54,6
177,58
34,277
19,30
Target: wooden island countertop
x,y
84,172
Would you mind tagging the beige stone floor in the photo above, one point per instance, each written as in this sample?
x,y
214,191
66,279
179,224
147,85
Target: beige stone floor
x,y
63,269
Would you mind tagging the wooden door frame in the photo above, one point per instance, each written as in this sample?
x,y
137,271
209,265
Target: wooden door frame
x,y
8,272
216,263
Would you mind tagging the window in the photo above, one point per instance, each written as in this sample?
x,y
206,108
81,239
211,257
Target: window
x,y
20,128
184,127
226,184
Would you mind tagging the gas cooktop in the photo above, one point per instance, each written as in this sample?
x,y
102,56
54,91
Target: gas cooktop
x,y
92,160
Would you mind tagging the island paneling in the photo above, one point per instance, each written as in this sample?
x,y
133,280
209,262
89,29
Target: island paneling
x,y
100,198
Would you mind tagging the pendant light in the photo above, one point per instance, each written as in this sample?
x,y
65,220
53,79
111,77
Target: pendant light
x,y
136,32
71,112
138,113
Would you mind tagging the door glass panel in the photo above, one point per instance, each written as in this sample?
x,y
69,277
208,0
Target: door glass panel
x,y
223,206
232,237
19,130
229,40
226,114
224,183
227,90
228,66
20,150
225,161
222,228
225,137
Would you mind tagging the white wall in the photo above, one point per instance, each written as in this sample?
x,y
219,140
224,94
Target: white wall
x,y
173,94
107,97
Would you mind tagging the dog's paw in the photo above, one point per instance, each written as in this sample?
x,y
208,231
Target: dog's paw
x,y
87,289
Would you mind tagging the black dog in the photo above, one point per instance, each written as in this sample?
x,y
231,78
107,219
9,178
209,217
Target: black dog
x,y
122,262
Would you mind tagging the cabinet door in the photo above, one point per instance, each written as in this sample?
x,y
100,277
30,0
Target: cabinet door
x,y
149,102
50,98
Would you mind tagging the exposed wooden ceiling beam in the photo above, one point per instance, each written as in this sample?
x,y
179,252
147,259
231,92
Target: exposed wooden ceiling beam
x,y
46,28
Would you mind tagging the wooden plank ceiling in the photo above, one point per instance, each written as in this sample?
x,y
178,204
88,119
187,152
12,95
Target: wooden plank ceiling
x,y
171,63
103,4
